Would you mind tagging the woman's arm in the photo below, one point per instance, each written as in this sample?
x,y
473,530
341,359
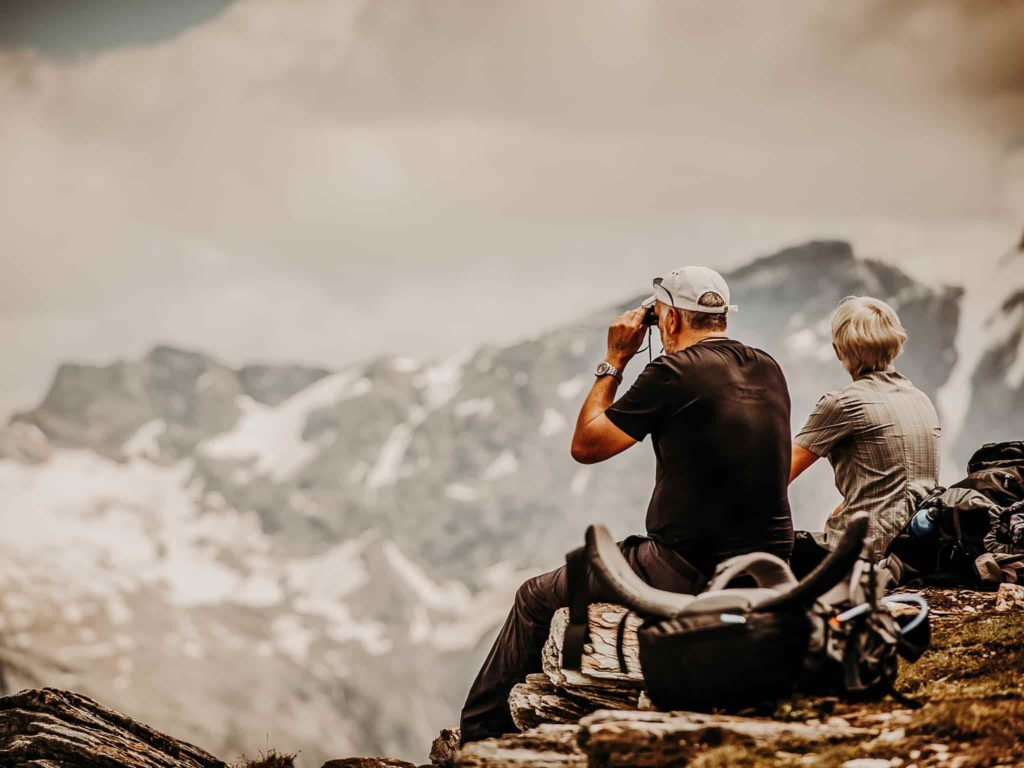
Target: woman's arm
x,y
802,459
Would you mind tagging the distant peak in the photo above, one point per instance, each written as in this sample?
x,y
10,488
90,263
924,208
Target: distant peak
x,y
811,253
168,353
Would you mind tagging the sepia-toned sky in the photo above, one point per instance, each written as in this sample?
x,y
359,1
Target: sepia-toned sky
x,y
327,180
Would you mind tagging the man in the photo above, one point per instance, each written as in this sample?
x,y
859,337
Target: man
x,y
718,413
880,433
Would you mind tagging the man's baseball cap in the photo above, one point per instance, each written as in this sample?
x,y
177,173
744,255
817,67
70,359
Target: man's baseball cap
x,y
683,287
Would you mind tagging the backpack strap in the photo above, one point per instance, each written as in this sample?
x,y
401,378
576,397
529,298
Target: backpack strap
x,y
620,637
577,632
957,526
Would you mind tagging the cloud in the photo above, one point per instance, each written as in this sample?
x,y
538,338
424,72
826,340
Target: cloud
x,y
379,176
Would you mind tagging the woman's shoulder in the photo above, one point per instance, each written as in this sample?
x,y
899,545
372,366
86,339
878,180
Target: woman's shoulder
x,y
833,400
886,386
851,394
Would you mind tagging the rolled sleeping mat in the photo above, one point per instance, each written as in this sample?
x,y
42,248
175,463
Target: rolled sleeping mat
x,y
776,592
829,572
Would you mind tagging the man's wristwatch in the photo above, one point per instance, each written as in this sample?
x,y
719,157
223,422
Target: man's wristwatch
x,y
605,368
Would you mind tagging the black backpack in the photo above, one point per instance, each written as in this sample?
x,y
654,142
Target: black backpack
x,y
734,647
966,547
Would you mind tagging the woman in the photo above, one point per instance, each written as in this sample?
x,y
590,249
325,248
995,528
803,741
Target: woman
x,y
880,432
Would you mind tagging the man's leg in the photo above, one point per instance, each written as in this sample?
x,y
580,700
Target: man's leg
x,y
514,655
517,650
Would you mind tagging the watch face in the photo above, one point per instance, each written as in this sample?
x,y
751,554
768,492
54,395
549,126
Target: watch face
x,y
602,369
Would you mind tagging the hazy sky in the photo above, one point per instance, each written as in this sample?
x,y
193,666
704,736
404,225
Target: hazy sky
x,y
327,180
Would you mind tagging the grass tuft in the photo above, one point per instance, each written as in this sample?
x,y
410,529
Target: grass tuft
x,y
269,759
998,722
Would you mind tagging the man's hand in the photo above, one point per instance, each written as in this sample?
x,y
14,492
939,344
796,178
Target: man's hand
x,y
625,337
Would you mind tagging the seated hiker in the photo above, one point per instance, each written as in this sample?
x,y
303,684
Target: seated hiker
x,y
880,433
718,412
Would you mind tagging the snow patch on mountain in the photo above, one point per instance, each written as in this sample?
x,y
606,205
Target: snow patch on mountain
x,y
120,527
334,573
461,492
143,443
449,596
814,342
439,383
451,618
270,437
570,388
553,422
478,406
385,470
505,464
580,481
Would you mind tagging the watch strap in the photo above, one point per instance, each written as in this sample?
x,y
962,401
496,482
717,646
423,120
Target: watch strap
x,y
605,368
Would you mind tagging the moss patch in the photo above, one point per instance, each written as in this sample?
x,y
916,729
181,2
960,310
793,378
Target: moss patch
x,y
968,720
979,657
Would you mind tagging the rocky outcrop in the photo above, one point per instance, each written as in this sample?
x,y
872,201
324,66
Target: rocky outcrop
x,y
1010,598
558,696
444,747
48,728
547,746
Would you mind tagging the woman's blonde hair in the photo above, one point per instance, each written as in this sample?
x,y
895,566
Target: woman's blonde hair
x,y
867,334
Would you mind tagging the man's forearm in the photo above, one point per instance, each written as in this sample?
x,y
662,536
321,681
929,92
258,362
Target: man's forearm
x,y
602,395
596,438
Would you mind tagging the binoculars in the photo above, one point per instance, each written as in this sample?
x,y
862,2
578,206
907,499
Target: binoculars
x,y
650,316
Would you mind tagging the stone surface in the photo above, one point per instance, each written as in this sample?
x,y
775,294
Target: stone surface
x,y
637,739
615,739
600,660
600,682
50,727
1010,597
547,746
538,701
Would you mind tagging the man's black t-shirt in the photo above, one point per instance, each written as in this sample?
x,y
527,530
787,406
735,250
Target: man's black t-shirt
x,y
718,412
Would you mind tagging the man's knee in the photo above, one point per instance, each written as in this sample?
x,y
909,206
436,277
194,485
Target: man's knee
x,y
540,596
529,592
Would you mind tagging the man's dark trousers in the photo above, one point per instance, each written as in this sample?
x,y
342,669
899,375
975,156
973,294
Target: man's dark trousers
x,y
517,650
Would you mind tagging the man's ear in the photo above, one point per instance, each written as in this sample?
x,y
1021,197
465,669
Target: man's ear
x,y
674,321
664,321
